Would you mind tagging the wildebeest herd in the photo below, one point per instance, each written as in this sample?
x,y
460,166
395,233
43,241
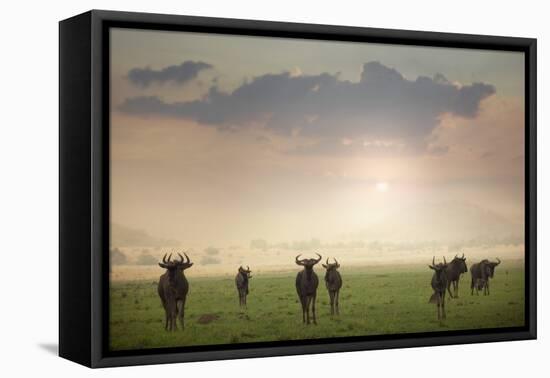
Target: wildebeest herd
x,y
446,275
173,287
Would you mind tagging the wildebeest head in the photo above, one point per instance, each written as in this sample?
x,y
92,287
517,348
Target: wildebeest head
x,y
439,268
461,263
308,263
332,266
245,272
490,267
175,266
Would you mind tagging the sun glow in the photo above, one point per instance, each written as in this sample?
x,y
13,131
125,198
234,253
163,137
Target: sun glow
x,y
382,186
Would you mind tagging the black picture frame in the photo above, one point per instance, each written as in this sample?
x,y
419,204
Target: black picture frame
x,y
84,190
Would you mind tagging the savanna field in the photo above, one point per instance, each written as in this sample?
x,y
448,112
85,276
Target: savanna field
x,y
373,301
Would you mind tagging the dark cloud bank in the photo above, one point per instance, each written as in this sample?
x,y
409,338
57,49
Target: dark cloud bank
x,y
383,108
181,74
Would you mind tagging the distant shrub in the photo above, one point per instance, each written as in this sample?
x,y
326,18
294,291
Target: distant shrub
x,y
209,260
306,244
146,259
258,244
117,257
212,251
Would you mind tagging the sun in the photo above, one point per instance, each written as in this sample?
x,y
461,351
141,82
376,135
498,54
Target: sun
x,y
382,186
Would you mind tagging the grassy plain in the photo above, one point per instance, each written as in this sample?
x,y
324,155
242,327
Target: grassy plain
x,y
373,301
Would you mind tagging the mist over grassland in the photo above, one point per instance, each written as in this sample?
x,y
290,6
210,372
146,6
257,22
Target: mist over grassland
x,y
410,237
356,254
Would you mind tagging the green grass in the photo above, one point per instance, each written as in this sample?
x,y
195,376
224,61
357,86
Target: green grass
x,y
373,301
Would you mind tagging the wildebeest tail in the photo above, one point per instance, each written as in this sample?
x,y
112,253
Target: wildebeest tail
x,y
433,298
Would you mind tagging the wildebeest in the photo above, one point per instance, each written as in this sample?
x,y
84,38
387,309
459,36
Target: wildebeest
x,y
173,288
306,286
241,280
483,270
439,285
455,268
479,285
333,281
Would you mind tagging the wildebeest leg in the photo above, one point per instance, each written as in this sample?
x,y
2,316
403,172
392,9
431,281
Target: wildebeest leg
x,y
313,300
331,296
166,315
303,303
337,305
174,316
472,286
169,312
456,288
449,288
438,307
308,303
443,305
486,287
181,310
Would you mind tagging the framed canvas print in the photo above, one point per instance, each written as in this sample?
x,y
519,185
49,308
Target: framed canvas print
x,y
234,188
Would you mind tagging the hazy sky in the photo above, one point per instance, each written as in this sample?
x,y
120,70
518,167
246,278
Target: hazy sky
x,y
223,139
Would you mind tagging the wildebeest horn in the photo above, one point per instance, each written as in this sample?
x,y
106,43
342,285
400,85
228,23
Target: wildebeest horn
x,y
462,256
335,261
164,259
498,261
319,259
169,257
181,258
248,268
433,261
298,261
444,261
187,257
327,261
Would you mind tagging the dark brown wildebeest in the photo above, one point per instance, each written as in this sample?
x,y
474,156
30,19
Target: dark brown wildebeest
x,y
241,280
333,281
479,285
483,270
455,268
439,285
306,286
172,289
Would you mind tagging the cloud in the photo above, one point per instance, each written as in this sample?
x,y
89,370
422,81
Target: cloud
x,y
185,72
382,111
